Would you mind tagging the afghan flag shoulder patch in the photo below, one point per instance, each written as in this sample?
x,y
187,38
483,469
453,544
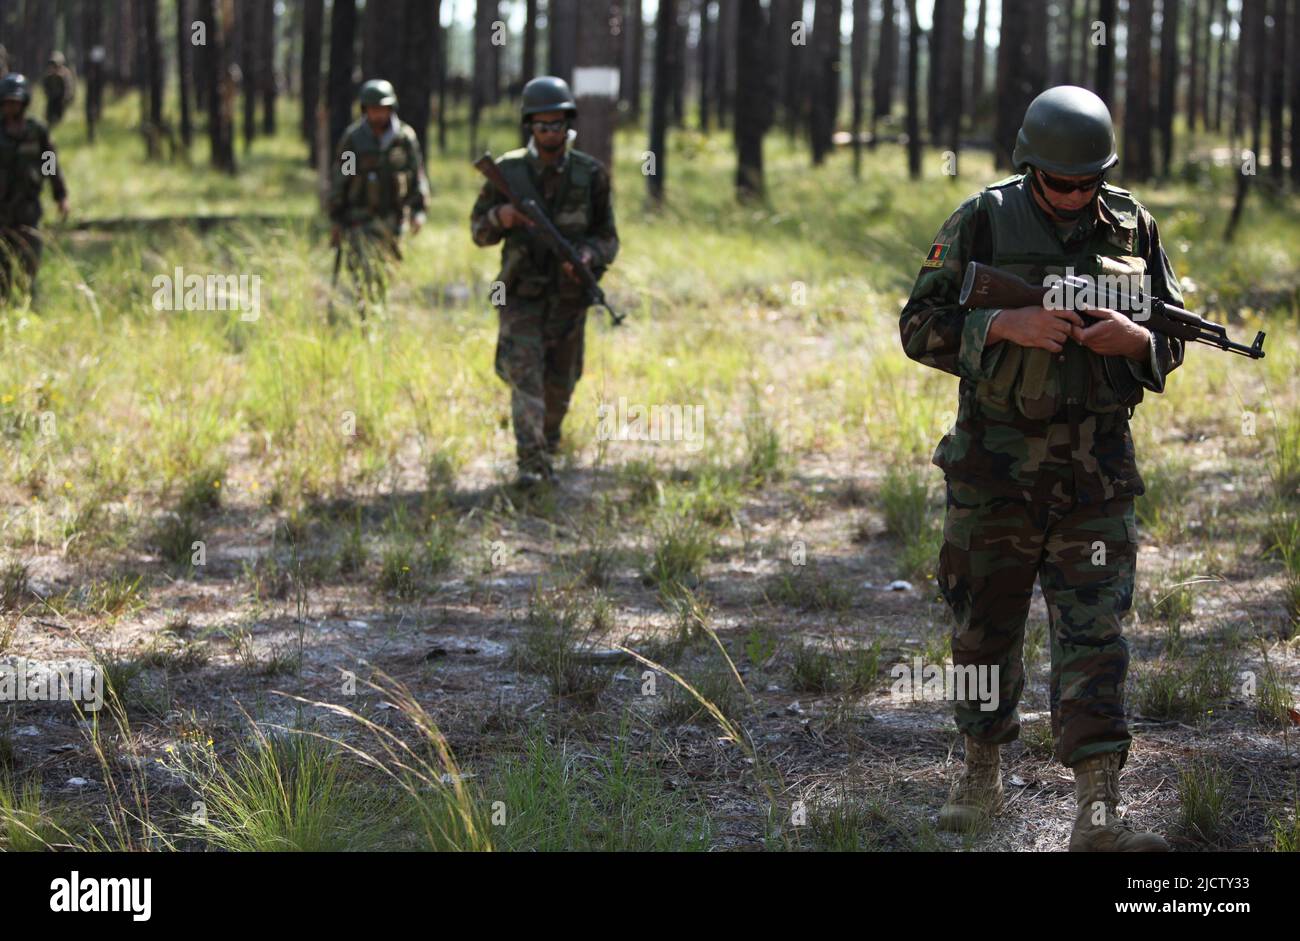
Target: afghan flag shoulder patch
x,y
938,252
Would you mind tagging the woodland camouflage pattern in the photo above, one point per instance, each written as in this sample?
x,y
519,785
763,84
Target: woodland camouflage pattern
x,y
999,447
540,341
373,204
1047,497
1085,555
23,160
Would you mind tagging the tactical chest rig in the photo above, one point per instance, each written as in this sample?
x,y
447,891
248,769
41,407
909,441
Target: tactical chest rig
x,y
529,268
1036,382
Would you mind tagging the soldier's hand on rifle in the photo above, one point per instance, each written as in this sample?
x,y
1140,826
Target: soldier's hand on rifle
x,y
508,217
587,259
417,222
1040,327
336,235
1113,335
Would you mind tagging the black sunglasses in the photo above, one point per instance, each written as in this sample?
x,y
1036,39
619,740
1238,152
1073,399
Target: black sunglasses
x,y
1058,185
540,126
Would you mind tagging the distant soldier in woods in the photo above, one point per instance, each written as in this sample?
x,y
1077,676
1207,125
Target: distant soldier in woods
x,y
379,187
59,87
543,310
1041,473
27,158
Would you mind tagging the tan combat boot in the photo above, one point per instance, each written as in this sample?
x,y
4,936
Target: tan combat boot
x,y
978,793
1098,827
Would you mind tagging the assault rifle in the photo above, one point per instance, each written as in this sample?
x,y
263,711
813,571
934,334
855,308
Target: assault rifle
x,y
986,286
544,230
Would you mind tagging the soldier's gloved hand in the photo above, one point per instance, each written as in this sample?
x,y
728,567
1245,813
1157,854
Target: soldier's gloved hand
x,y
417,223
1038,327
1113,335
508,217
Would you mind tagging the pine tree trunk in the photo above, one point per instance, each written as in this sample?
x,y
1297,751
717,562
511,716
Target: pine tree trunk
x,y
882,85
726,48
660,95
480,86
936,109
94,63
680,31
266,68
1014,86
753,113
708,36
1137,100
1104,84
1251,51
1221,74
246,37
955,57
1194,67
529,63
184,76
1067,68
596,76
913,97
826,77
218,18
419,66
1168,98
1277,91
562,16
1295,98
343,24
858,44
633,58
153,74
313,36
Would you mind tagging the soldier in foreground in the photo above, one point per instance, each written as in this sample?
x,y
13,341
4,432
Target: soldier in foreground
x,y
1040,467
27,157
58,84
379,187
544,315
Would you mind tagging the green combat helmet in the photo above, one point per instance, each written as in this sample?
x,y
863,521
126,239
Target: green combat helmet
x,y
377,91
14,87
1067,131
547,93
56,58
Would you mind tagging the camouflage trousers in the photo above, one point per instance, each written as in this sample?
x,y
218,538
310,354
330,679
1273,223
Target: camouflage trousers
x,y
539,355
20,258
1085,556
371,249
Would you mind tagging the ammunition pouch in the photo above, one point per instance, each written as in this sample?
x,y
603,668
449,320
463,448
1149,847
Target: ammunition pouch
x,y
1039,382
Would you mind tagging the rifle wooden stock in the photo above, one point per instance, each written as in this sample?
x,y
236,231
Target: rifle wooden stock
x,y
986,286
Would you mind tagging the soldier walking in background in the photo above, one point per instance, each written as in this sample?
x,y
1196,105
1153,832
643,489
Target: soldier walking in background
x,y
59,87
379,188
543,319
27,158
1040,467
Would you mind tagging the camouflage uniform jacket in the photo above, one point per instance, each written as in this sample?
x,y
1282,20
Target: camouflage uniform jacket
x,y
575,193
23,161
389,175
1003,436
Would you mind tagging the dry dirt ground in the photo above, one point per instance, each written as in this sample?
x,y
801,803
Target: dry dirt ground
x,y
452,646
